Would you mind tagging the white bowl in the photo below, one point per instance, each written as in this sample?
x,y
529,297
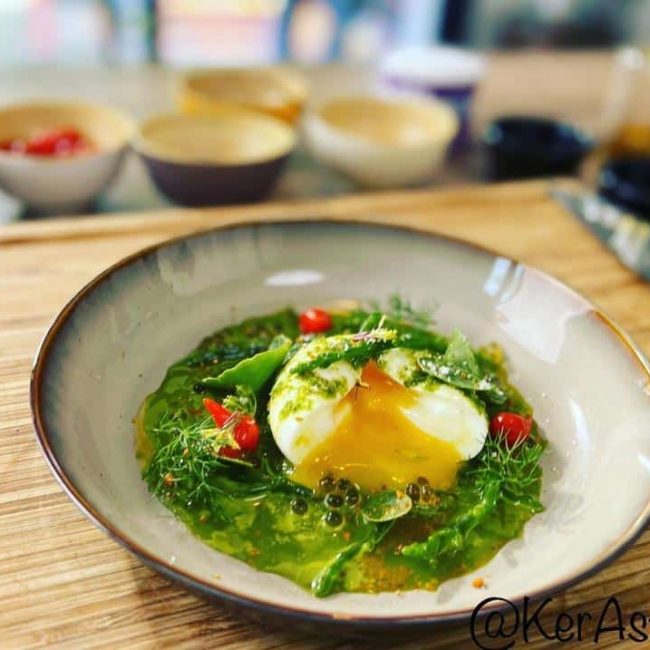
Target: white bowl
x,y
380,141
62,184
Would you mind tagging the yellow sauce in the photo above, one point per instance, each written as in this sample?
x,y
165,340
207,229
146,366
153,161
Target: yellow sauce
x,y
376,445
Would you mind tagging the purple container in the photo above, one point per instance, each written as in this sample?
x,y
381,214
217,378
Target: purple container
x,y
448,73
233,157
205,185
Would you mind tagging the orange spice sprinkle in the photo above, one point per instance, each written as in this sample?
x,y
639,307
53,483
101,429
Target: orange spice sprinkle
x,y
478,583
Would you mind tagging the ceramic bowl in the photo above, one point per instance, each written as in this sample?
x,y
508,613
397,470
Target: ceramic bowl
x,y
625,182
62,184
233,157
519,146
382,142
278,91
449,73
112,344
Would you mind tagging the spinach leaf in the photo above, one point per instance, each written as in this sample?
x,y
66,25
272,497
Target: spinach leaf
x,y
254,371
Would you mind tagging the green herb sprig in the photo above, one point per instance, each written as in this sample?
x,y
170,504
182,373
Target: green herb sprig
x,y
186,465
401,310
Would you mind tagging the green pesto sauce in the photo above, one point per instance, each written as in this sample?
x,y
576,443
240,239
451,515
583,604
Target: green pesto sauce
x,y
249,513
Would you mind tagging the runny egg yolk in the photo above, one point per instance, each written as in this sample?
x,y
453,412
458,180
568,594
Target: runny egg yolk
x,y
376,445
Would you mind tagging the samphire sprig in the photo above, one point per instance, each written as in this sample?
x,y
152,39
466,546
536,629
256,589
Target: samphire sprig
x,y
357,349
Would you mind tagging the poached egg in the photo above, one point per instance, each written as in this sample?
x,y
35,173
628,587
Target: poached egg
x,y
381,426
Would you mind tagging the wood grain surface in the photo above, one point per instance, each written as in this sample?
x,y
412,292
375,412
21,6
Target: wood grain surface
x,y
63,583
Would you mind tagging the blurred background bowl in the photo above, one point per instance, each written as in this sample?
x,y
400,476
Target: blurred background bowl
x,y
58,184
625,182
529,146
449,73
233,156
382,142
274,90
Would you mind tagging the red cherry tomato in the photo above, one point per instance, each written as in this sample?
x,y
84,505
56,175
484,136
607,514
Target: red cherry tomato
x,y
44,144
246,431
247,434
511,427
230,452
56,142
220,414
314,320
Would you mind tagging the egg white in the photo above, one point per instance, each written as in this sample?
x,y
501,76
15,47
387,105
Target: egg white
x,y
440,410
302,408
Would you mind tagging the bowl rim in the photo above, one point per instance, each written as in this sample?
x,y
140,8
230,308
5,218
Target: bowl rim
x,y
470,63
206,588
143,146
12,158
290,78
444,137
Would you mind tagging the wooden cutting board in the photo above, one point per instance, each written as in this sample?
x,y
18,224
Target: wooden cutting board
x,y
64,583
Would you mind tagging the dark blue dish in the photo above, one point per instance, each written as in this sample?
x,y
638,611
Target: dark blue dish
x,y
519,147
625,182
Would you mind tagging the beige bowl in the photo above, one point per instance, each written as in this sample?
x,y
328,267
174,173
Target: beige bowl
x,y
382,142
62,184
280,92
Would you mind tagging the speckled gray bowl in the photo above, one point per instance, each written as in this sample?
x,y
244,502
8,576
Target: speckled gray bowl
x,y
112,343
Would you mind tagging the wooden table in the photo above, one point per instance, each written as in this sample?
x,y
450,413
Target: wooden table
x,y
64,583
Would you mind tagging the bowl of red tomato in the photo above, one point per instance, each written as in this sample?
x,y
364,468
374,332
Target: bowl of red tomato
x,y
58,157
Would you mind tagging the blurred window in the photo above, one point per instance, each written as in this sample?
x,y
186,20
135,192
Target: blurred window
x,y
229,32
42,31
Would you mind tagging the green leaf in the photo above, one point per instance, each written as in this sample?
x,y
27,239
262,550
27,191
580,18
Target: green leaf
x,y
386,506
458,367
254,371
400,309
459,354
